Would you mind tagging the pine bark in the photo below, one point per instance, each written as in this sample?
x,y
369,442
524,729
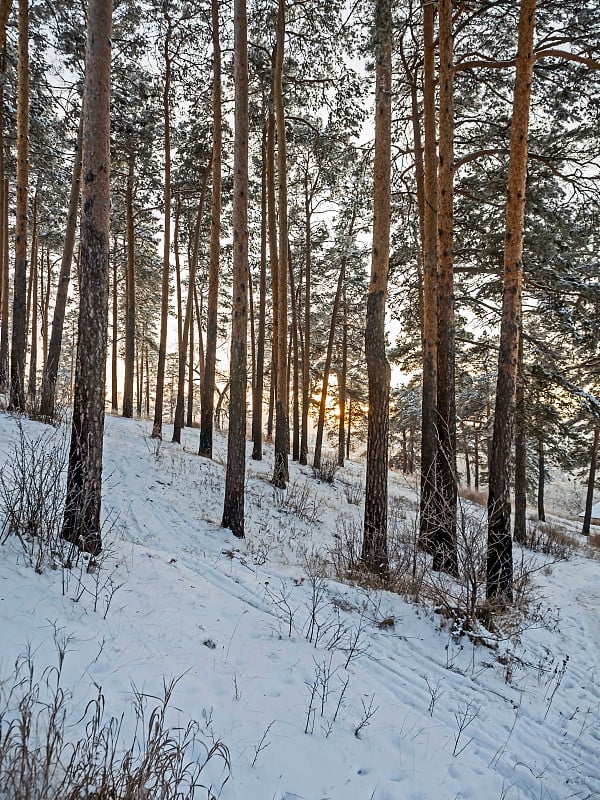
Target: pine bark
x,y
4,308
445,556
82,524
374,550
4,277
591,484
428,501
207,391
130,309
115,340
166,268
520,522
499,556
233,507
307,326
33,282
19,317
282,444
258,387
541,481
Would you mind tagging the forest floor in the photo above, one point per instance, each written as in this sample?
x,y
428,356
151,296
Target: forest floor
x,y
319,690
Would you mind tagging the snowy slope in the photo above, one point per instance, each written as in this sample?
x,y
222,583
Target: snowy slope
x,y
253,631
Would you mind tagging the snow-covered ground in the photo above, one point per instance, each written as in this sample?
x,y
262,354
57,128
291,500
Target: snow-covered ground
x,y
318,689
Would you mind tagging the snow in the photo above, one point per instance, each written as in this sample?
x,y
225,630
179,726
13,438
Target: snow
x,y
179,597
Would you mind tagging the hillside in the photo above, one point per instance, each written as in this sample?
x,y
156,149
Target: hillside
x,y
317,689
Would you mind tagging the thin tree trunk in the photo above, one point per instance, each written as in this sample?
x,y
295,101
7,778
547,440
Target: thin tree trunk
x,y
330,341
166,268
233,507
46,310
33,281
147,382
307,332
140,374
428,502
178,292
520,522
591,484
19,321
541,481
258,388
342,377
295,365
130,310
499,559
274,263
201,360
189,306
82,524
476,460
190,396
4,269
374,549
115,340
445,556
50,375
467,456
349,429
4,255
207,392
282,435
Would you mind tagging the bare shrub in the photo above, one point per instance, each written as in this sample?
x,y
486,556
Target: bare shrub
x,y
299,499
50,751
32,496
354,492
327,468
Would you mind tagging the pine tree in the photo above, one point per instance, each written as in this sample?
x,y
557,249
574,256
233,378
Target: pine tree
x,y
82,523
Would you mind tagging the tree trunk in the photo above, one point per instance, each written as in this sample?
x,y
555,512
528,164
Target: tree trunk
x,y
445,556
295,365
499,559
115,340
33,283
258,388
374,550
198,307
591,484
82,524
342,377
307,309
520,522
4,255
130,310
330,340
207,391
187,325
274,264
46,310
428,502
19,321
166,267
467,456
190,396
50,375
4,269
282,444
541,481
476,460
